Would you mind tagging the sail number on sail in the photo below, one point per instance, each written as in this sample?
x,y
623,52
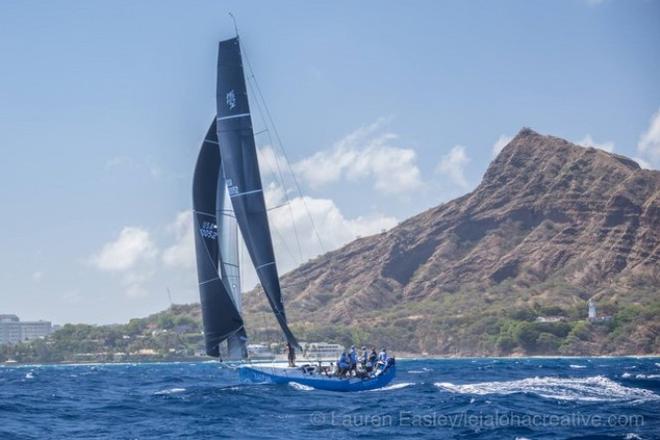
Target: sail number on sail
x,y
209,230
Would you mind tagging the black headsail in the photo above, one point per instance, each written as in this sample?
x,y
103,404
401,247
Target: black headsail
x,y
219,314
239,161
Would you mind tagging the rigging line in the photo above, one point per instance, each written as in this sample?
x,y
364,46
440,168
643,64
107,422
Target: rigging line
x,y
281,145
279,171
280,236
286,247
280,175
277,207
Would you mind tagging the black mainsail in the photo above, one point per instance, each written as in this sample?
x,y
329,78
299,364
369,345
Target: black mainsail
x,y
220,316
241,169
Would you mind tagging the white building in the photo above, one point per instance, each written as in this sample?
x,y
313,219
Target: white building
x,y
10,329
259,352
13,330
592,309
321,350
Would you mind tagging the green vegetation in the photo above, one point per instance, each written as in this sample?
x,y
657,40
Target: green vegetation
x,y
172,334
176,334
522,330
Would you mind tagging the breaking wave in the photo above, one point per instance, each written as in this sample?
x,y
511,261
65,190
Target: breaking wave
x,y
596,388
170,391
641,376
396,386
300,387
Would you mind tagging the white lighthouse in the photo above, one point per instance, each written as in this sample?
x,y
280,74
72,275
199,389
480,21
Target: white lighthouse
x,y
592,309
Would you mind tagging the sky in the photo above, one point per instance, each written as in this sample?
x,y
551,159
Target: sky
x,y
384,109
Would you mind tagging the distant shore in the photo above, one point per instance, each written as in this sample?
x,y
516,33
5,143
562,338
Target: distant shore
x,y
280,359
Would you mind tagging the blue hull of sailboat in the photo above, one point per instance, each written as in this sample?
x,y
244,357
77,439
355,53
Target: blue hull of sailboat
x,y
284,376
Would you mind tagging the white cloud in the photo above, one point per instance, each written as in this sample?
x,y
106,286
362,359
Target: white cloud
x,y
182,252
642,163
649,141
368,152
290,223
334,229
269,160
133,244
453,165
37,276
133,283
499,145
588,141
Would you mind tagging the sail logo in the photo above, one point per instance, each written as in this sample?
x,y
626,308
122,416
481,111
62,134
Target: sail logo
x,y
231,188
209,230
231,99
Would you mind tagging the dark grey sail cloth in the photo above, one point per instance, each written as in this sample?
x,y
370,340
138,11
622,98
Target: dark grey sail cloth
x,y
219,314
239,162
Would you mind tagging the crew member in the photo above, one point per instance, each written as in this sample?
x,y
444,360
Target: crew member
x,y
371,361
352,357
342,364
364,357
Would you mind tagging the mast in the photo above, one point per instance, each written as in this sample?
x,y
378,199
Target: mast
x,y
241,171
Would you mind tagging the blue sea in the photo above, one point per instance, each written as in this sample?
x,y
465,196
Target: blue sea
x,y
527,398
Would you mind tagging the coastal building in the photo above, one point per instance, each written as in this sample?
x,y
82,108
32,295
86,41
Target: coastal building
x,y
592,315
259,351
550,318
10,329
321,350
13,330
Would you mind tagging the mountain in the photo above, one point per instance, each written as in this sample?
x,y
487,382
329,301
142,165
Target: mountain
x,y
505,269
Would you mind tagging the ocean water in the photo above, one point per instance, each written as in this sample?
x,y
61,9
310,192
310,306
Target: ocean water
x,y
529,398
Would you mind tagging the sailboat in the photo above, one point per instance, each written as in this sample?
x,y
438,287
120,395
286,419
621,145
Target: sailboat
x,y
228,198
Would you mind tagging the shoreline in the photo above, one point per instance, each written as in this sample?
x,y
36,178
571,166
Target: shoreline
x,y
408,357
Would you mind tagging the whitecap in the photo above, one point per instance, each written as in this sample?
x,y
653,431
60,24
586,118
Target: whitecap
x,y
647,376
396,386
632,436
596,388
170,391
300,387
29,375
577,366
625,375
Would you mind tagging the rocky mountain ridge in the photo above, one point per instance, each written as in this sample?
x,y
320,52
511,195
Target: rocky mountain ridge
x,y
551,225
